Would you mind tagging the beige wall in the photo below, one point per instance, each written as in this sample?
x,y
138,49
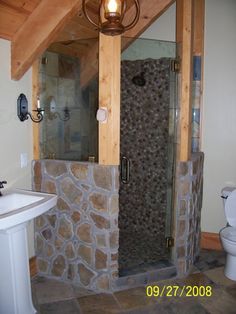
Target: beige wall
x,y
219,109
15,136
164,27
219,102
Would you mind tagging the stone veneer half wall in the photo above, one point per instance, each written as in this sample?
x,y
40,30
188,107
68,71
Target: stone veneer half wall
x,y
188,205
77,241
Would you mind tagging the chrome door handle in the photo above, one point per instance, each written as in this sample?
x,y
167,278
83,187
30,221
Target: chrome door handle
x,y
125,170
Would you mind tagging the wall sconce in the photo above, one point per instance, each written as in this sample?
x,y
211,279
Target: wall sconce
x,y
113,13
53,114
22,110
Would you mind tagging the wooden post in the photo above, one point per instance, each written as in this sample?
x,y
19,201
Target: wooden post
x,y
184,36
109,97
35,94
199,26
198,44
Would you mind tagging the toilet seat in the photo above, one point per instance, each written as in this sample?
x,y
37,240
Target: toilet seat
x,y
229,233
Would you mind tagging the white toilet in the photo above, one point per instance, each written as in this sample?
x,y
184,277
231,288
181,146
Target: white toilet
x,y
228,234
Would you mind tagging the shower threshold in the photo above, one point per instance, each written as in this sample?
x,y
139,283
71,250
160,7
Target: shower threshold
x,y
144,267
144,274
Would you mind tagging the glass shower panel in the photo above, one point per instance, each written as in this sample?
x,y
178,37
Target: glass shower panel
x,y
69,130
147,153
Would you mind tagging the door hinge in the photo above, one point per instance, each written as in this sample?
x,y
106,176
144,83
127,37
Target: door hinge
x,y
169,242
175,65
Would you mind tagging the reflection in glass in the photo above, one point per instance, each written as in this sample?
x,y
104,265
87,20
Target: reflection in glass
x,y
70,129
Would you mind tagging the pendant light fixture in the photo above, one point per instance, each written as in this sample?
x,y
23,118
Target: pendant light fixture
x,y
111,15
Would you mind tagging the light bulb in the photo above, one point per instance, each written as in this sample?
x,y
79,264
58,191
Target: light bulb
x,y
112,6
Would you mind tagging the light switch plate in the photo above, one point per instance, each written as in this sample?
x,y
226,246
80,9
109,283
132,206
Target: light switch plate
x,y
23,160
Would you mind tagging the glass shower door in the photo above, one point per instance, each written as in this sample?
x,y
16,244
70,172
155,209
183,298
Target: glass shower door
x,y
147,160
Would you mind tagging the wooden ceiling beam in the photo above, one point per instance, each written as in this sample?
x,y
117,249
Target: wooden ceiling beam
x,y
39,31
150,11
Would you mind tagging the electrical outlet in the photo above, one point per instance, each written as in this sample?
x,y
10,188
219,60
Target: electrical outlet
x,y
23,160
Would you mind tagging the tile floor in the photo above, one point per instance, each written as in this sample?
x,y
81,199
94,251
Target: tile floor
x,y
50,296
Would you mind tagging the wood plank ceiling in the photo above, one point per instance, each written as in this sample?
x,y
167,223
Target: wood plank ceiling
x,y
14,13
18,24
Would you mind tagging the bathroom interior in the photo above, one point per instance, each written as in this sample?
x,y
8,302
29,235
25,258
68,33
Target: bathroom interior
x,y
116,225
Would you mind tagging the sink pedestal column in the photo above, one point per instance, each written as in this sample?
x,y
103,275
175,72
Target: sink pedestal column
x,y
15,287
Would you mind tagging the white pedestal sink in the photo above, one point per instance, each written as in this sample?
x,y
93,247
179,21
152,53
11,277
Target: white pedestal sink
x,y
17,207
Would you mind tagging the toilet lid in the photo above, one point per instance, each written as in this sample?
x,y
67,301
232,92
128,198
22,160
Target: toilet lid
x,y
230,209
229,233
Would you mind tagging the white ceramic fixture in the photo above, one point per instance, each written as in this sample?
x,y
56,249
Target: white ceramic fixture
x,y
228,234
17,207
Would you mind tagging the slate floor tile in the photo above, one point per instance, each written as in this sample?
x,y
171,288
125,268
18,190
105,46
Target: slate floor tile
x,y
196,279
183,306
209,259
62,307
218,277
49,290
99,304
81,292
221,302
231,290
134,298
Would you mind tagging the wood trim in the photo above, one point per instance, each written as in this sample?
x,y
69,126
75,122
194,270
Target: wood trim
x,y
109,97
184,35
39,31
211,241
35,95
33,266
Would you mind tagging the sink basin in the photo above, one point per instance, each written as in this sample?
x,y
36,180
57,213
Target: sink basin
x,y
15,201
17,207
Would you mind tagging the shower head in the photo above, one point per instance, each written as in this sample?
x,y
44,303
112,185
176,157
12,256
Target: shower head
x,y
139,79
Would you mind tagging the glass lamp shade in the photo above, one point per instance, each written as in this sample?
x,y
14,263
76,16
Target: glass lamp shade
x,y
112,7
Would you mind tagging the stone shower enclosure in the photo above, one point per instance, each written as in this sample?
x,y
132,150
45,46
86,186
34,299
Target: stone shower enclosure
x,y
102,227
78,240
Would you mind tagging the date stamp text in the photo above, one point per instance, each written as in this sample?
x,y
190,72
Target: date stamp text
x,y
178,291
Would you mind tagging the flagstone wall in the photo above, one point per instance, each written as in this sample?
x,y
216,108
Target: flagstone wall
x,y
77,240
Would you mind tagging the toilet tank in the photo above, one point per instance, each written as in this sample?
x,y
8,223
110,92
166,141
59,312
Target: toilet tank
x,y
225,192
229,204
